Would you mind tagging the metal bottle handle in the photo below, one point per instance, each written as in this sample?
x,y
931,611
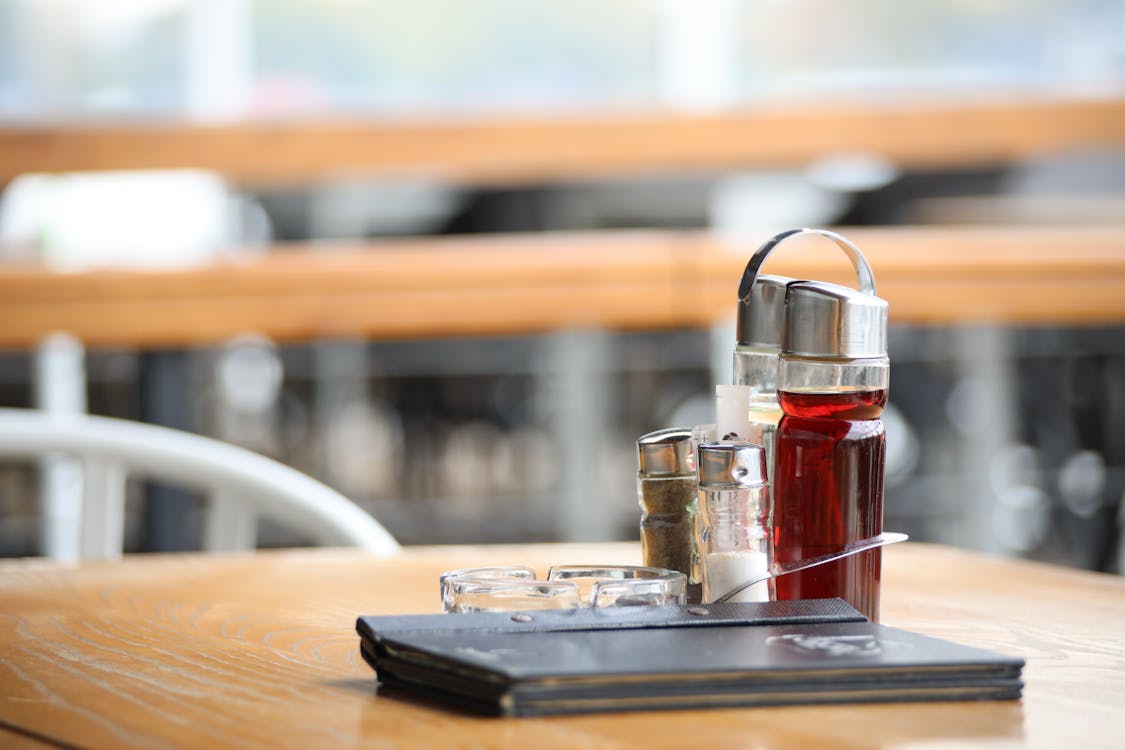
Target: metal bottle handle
x,y
863,272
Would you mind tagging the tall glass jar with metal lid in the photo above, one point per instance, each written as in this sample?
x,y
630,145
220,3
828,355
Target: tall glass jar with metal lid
x,y
831,446
761,316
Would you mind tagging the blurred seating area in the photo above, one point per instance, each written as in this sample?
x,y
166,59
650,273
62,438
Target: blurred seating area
x,y
453,270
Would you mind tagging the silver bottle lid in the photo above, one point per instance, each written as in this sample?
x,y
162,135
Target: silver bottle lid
x,y
828,320
732,465
665,453
761,312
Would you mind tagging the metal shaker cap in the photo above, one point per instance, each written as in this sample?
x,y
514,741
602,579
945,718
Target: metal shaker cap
x,y
732,464
828,320
665,453
761,311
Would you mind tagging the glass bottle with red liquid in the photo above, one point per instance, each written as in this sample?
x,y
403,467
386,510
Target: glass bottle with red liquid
x,y
831,447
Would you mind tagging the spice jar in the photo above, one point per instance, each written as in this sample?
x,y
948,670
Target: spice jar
x,y
734,509
666,491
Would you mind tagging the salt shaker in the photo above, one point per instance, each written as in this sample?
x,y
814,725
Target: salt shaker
x,y
666,491
734,527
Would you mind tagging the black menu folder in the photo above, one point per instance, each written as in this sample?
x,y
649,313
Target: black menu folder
x,y
641,658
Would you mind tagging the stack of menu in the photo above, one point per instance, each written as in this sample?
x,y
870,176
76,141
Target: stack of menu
x,y
641,658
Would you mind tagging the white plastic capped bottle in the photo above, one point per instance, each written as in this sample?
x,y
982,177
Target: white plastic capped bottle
x,y
734,520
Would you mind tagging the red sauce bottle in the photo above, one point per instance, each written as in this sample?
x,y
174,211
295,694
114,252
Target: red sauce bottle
x,y
831,447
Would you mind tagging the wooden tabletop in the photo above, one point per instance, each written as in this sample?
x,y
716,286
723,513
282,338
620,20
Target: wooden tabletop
x,y
260,651
509,284
908,133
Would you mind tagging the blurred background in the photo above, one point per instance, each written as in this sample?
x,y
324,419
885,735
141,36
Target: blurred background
x,y
242,146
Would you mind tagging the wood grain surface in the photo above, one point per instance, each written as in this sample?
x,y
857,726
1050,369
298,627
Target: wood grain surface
x,y
510,284
260,651
14,740
910,134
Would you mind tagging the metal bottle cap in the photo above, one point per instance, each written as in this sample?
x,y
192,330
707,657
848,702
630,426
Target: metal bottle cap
x,y
828,320
761,312
731,464
665,453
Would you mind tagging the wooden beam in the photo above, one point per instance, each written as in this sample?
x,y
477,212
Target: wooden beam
x,y
534,283
514,150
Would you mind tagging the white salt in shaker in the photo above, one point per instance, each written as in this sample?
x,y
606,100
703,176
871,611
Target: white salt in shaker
x,y
734,520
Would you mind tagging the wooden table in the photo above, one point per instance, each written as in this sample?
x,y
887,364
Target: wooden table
x,y
518,284
908,132
259,651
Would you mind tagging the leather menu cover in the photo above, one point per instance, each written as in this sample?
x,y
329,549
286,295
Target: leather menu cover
x,y
745,654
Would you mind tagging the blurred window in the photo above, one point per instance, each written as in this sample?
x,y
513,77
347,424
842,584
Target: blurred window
x,y
230,59
64,58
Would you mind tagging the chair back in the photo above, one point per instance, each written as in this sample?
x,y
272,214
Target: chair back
x,y
240,484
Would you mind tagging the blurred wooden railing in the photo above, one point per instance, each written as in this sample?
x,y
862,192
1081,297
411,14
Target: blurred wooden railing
x,y
495,285
910,135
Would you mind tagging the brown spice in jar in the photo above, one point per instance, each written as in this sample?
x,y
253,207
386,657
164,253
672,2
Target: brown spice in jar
x,y
667,522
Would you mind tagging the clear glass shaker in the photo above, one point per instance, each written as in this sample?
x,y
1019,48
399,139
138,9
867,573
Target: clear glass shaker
x,y
666,492
734,520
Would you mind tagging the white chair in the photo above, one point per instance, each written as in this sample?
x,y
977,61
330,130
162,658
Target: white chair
x,y
240,484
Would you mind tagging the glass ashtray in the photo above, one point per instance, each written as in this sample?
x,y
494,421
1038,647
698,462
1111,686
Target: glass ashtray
x,y
514,587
